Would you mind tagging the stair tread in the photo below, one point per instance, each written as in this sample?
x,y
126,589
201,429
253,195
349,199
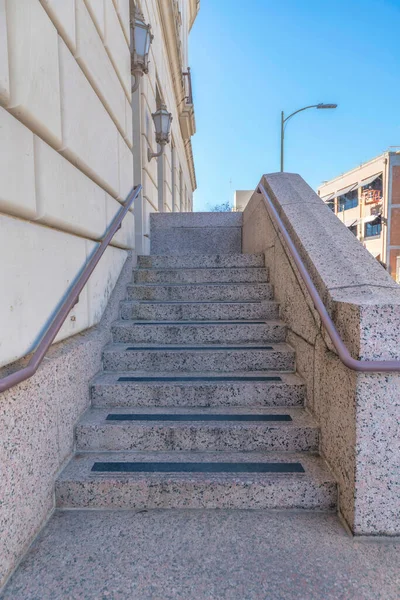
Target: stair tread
x,y
201,268
111,377
206,302
300,418
128,322
184,260
79,468
276,346
204,283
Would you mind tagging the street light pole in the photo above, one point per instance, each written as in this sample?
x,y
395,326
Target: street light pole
x,y
283,121
282,138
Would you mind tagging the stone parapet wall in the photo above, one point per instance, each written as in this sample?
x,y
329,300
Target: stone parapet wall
x,y
196,233
359,414
37,427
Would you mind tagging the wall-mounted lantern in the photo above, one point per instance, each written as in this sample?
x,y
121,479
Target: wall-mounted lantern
x,y
141,38
162,123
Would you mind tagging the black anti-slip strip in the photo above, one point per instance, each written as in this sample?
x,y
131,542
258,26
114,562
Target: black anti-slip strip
x,y
188,417
165,467
199,301
198,348
207,379
158,323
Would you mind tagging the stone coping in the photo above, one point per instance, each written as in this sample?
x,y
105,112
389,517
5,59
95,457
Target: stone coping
x,y
362,298
200,219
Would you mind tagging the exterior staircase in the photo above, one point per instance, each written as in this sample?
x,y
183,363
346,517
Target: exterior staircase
x,y
199,404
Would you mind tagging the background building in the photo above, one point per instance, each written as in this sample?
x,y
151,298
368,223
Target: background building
x,y
73,142
241,199
367,200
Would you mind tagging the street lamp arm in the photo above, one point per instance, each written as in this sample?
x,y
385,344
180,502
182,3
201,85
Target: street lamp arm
x,y
285,120
300,110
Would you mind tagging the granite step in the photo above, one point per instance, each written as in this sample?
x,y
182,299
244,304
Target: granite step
x,y
216,332
199,311
264,388
197,429
201,291
194,261
199,275
229,357
78,486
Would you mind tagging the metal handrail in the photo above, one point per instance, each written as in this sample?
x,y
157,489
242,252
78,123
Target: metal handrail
x,y
72,298
363,366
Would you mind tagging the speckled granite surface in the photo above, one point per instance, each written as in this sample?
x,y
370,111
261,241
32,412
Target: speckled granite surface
x,y
204,555
108,391
201,292
79,487
173,311
359,414
198,333
193,261
200,275
154,358
95,433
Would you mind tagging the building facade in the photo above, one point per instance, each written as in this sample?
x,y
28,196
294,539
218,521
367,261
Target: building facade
x,y
367,201
168,182
241,199
73,143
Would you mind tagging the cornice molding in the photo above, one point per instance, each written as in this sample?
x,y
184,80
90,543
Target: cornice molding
x,y
194,6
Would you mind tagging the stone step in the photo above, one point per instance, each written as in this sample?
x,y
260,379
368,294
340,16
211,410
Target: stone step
x,y
199,311
244,357
217,332
201,291
265,388
197,430
210,275
193,261
78,486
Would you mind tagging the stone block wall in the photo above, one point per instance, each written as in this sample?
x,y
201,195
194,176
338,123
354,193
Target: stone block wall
x,y
359,413
66,160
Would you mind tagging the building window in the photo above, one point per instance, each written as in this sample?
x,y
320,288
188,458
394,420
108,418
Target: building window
x,y
348,201
372,229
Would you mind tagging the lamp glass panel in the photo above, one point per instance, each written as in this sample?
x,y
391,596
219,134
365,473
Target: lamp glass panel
x,y
166,122
157,122
140,40
148,41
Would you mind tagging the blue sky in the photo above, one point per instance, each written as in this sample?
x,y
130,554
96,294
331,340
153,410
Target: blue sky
x,y
252,59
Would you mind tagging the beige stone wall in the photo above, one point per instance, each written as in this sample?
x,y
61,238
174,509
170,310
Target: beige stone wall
x,y
65,159
73,143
